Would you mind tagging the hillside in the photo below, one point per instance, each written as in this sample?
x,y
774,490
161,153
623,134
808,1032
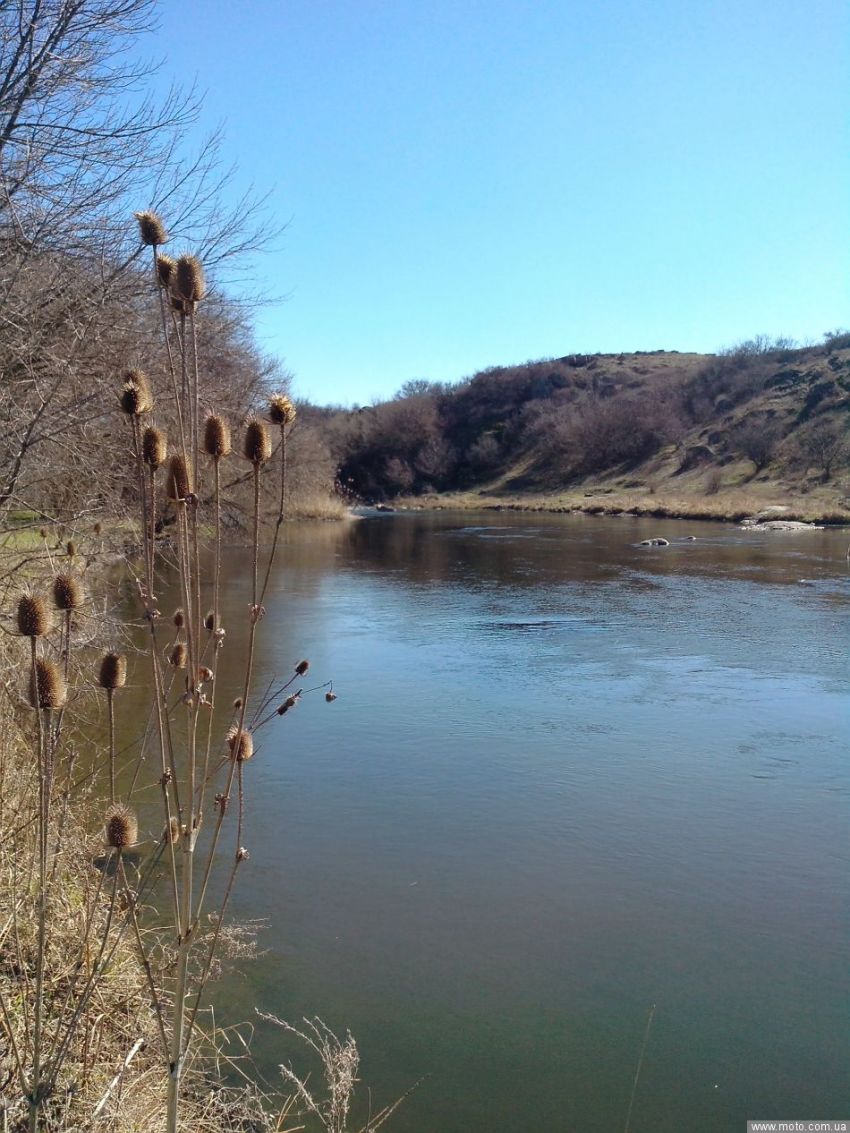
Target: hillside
x,y
761,424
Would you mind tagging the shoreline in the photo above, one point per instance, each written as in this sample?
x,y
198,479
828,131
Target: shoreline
x,y
715,510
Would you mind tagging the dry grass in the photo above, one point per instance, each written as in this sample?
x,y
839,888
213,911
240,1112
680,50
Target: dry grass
x,y
731,505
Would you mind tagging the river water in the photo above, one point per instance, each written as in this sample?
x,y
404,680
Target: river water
x,y
566,779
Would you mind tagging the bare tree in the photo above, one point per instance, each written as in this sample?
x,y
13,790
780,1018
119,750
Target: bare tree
x,y
81,145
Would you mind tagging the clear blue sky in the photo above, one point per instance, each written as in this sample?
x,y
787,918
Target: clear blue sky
x,y
471,183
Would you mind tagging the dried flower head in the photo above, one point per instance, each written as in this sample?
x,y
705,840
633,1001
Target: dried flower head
x,y
179,618
177,656
165,268
172,831
33,616
113,671
281,410
258,442
136,395
237,703
71,549
216,436
290,702
205,674
178,484
67,592
330,697
189,283
241,744
154,447
50,691
302,667
98,528
42,533
209,621
121,828
151,228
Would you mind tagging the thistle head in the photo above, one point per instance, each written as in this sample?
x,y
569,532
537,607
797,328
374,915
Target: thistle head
x,y
151,229
281,410
165,268
216,436
290,702
33,616
258,442
188,283
50,691
136,395
241,744
178,484
67,592
113,671
154,448
121,827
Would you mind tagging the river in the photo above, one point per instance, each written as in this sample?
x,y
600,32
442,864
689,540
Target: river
x,y
567,779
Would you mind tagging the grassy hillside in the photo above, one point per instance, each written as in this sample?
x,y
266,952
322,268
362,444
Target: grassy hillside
x,y
762,424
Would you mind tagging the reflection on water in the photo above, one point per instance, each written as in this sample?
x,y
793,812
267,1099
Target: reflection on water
x,y
567,777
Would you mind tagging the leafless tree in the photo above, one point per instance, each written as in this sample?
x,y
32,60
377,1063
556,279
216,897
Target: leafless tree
x,y
82,144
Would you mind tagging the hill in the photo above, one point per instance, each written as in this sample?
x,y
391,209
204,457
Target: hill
x,y
764,423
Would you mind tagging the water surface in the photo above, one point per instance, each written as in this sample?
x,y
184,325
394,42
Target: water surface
x,y
566,778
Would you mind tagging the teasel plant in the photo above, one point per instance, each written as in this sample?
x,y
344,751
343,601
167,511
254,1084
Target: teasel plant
x,y
201,777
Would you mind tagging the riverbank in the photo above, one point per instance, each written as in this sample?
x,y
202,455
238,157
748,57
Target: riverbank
x,y
726,507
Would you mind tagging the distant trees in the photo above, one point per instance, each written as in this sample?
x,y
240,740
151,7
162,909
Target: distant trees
x,y
758,440
81,147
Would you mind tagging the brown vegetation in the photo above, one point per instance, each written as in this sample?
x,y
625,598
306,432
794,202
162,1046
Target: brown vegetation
x,y
764,418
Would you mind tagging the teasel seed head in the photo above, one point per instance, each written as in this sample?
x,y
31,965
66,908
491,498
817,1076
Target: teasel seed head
x,y
67,592
165,268
154,447
205,674
241,745
189,283
258,443
136,396
290,702
151,228
179,618
216,437
178,484
98,528
209,621
237,703
42,533
121,828
71,549
177,656
172,831
330,697
281,410
302,667
49,686
33,616
113,671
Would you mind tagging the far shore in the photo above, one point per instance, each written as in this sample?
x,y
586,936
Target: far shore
x,y
721,508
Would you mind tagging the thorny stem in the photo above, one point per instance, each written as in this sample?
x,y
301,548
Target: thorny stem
x,y
110,701
35,1094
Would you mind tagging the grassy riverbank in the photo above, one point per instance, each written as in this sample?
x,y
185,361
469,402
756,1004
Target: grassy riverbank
x,y
729,508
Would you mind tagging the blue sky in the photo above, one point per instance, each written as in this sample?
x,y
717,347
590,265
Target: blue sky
x,y
468,184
